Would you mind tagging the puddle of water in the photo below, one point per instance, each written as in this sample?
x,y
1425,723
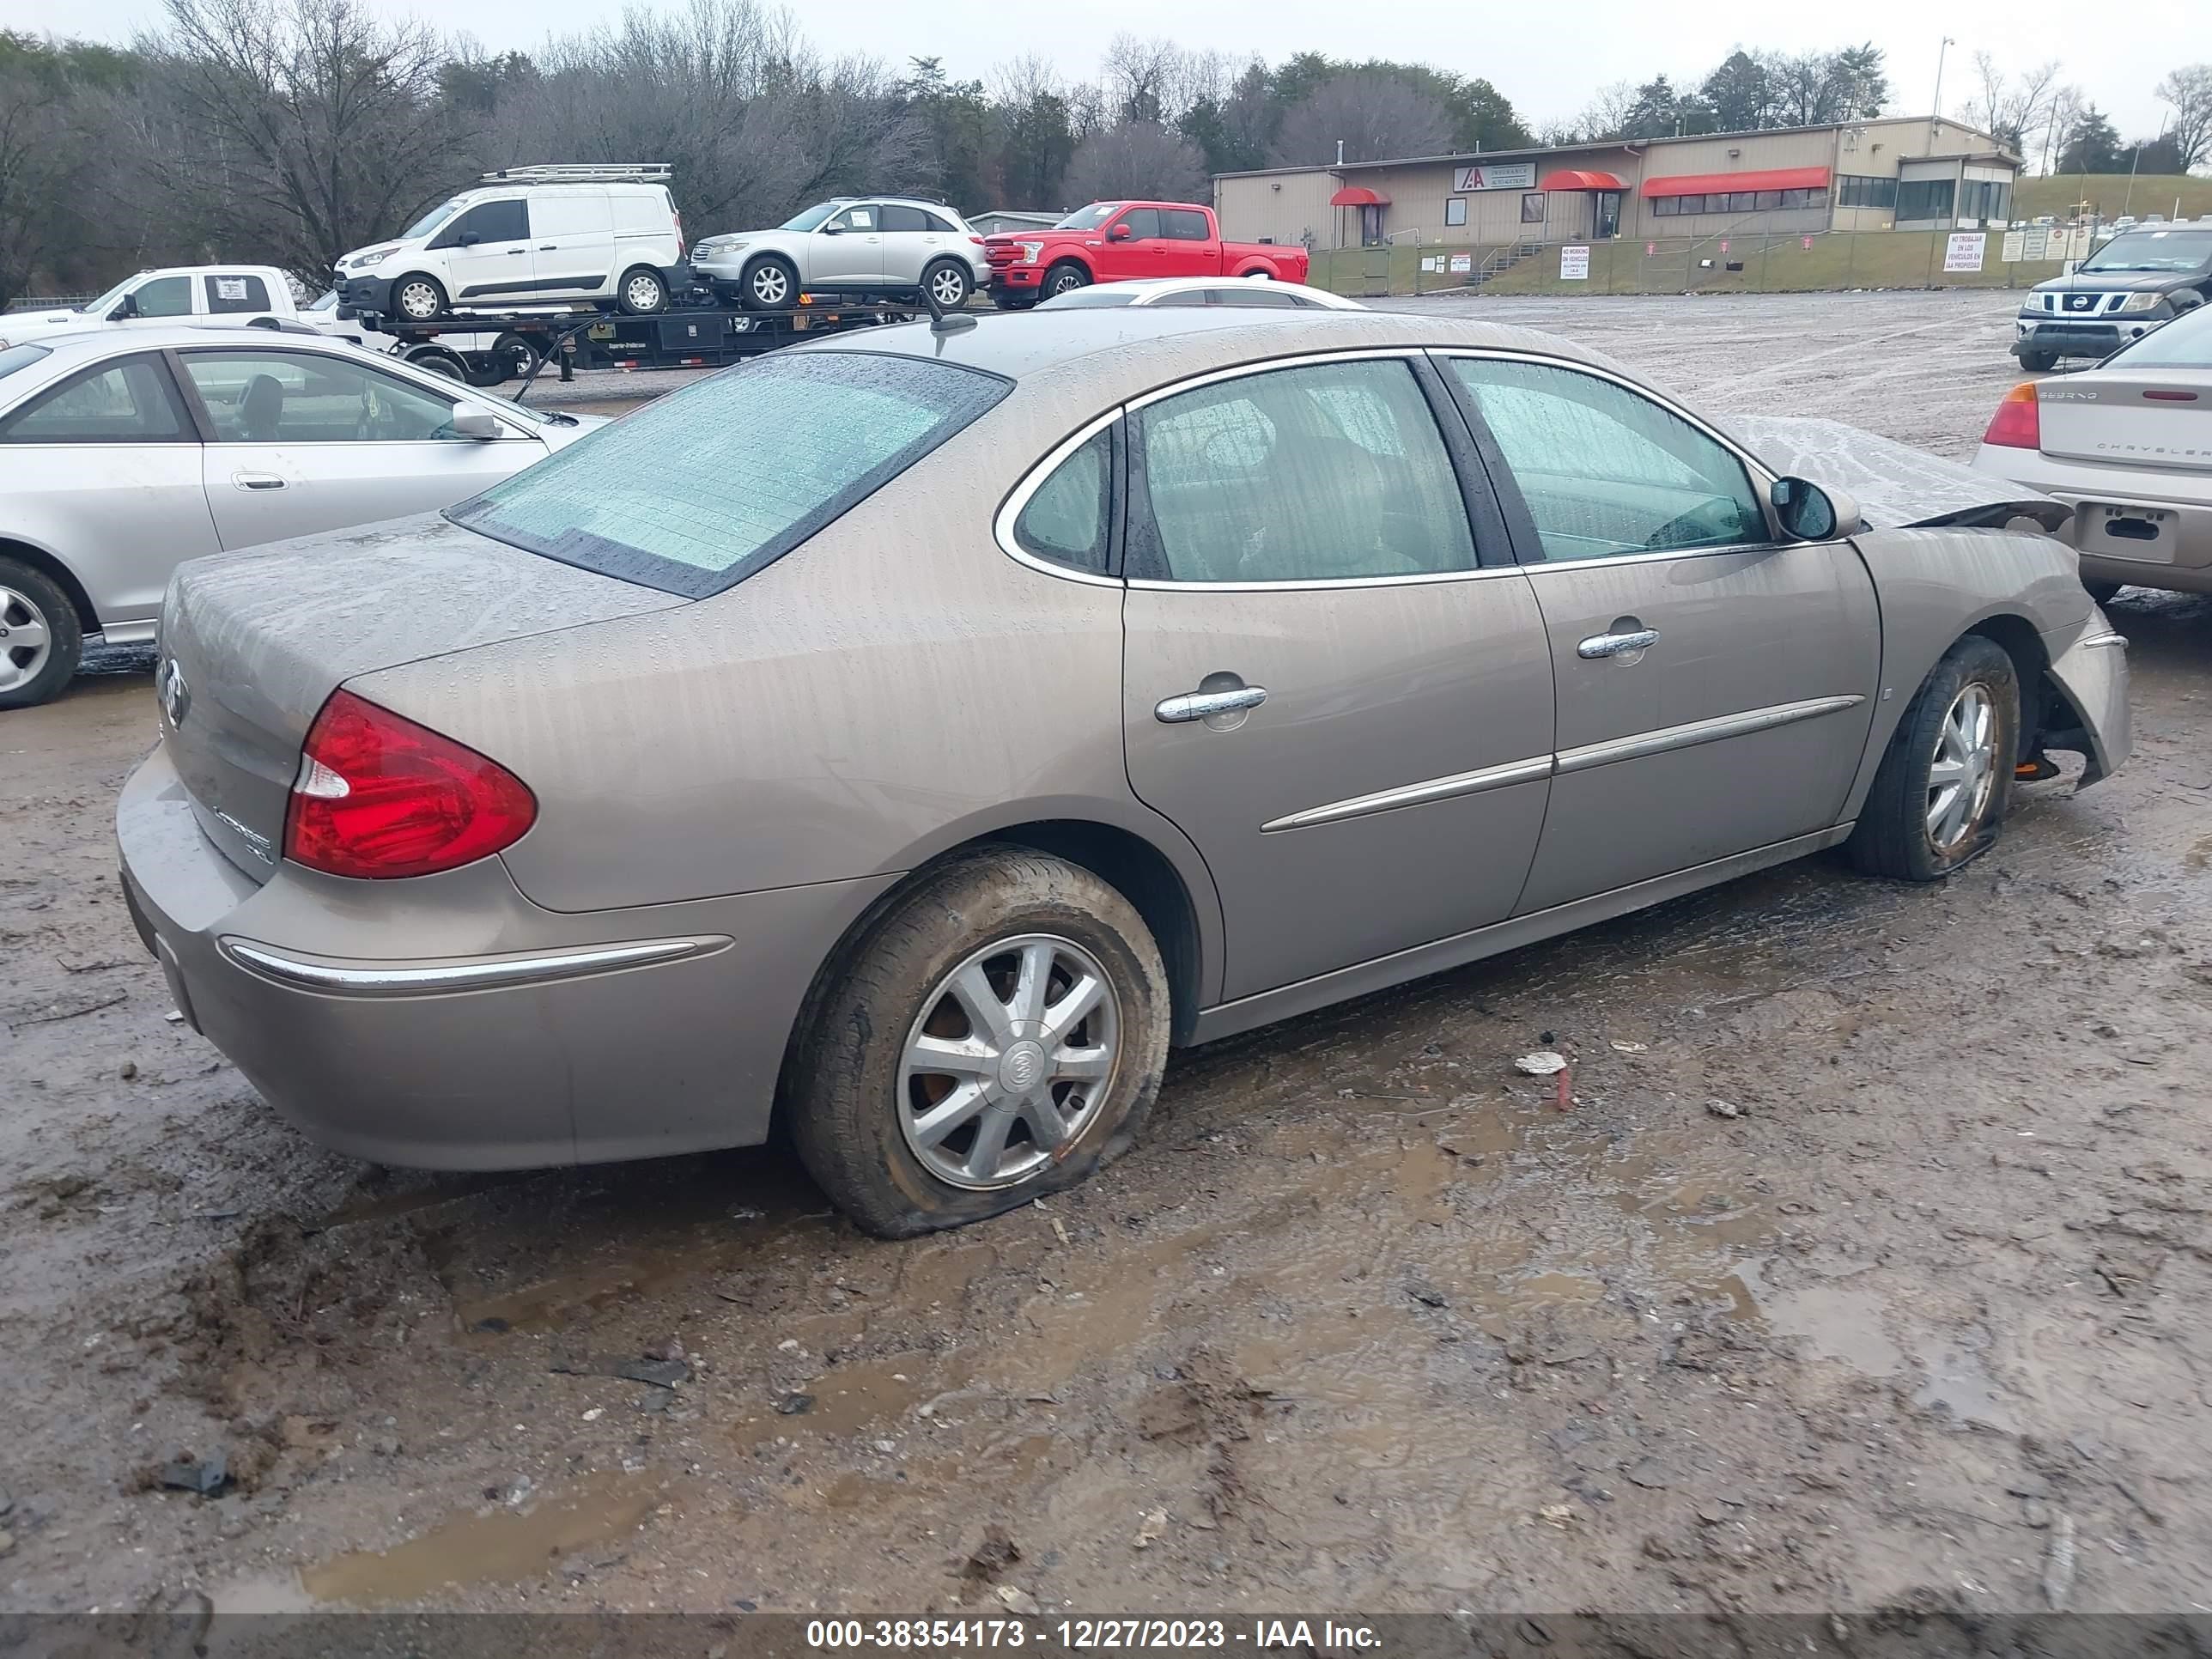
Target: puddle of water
x,y
1836,1321
497,1546
1956,1378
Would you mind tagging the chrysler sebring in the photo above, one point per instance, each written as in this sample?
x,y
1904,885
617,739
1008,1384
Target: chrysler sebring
x,y
914,739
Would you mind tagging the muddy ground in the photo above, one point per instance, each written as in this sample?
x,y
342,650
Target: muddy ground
x,y
1369,1321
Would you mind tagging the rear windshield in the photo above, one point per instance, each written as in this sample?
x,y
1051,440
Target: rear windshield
x,y
2184,342
697,491
21,357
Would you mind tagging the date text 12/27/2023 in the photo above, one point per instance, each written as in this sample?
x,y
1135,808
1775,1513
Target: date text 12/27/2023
x,y
1324,1635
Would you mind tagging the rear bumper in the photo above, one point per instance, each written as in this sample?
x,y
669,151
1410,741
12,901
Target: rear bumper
x,y
446,1023
2133,525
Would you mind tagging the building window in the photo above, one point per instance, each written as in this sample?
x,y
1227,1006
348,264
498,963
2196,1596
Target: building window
x,y
1926,198
1666,207
1986,199
1455,209
1767,200
1533,208
1858,189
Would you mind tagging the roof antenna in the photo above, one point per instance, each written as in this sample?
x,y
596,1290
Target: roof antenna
x,y
942,321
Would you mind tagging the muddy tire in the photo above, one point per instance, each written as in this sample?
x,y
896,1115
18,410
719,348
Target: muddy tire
x,y
40,639
2038,363
1946,780
996,1034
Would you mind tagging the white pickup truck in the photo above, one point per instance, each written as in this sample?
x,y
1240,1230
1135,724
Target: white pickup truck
x,y
219,296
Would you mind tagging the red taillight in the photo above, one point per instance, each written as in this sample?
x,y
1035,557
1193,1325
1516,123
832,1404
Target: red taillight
x,y
379,796
977,240
2017,424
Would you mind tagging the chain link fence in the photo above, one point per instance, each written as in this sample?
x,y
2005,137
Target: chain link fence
x,y
1749,258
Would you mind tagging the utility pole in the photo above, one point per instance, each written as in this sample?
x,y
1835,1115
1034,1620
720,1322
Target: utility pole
x,y
1936,115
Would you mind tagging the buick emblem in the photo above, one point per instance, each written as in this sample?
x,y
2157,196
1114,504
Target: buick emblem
x,y
176,696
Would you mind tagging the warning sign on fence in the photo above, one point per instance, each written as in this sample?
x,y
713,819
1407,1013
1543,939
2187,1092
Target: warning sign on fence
x,y
1964,250
1574,265
1462,264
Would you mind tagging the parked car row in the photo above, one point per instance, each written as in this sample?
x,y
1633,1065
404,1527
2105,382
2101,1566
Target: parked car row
x,y
2123,291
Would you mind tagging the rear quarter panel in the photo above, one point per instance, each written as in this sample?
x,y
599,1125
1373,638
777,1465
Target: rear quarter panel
x,y
1935,586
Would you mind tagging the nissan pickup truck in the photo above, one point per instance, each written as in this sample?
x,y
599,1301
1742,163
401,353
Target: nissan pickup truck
x,y
1120,242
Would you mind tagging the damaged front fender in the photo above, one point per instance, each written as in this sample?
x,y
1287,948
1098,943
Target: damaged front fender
x,y
2089,714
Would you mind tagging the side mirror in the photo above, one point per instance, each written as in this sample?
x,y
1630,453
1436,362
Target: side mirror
x,y
126,308
1811,513
480,424
1120,233
467,239
833,229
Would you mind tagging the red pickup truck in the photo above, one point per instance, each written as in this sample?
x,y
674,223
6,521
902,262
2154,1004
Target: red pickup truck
x,y
1122,241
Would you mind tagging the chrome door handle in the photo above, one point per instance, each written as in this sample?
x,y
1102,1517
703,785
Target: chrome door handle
x,y
1617,645
256,480
1200,705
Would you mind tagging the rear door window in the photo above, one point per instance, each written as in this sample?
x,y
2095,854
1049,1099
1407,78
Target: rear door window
x,y
1184,224
697,490
129,401
1330,472
236,293
897,217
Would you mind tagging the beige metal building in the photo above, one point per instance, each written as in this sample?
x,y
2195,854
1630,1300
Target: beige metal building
x,y
1890,174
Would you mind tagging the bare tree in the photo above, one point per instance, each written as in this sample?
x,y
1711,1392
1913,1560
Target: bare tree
x,y
1607,113
1138,158
2016,111
2189,91
1378,117
43,166
753,123
295,128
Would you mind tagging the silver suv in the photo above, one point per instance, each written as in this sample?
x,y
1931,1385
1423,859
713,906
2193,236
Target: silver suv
x,y
849,244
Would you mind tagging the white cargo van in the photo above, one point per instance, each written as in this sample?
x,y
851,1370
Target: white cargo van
x,y
527,236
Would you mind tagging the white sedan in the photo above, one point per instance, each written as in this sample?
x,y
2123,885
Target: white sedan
x,y
123,453
1256,293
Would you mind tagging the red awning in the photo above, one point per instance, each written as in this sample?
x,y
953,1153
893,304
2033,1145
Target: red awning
x,y
1580,179
1359,196
1714,184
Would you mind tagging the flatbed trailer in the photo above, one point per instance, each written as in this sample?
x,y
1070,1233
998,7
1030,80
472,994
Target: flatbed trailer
x,y
693,336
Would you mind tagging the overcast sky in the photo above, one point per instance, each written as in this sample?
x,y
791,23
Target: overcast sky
x,y
1545,57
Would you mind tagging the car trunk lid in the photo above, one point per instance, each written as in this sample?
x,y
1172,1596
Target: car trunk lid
x,y
253,644
2159,420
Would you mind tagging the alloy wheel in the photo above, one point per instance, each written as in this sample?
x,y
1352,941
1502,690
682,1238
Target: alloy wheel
x,y
26,641
1011,1060
1962,772
947,286
770,286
